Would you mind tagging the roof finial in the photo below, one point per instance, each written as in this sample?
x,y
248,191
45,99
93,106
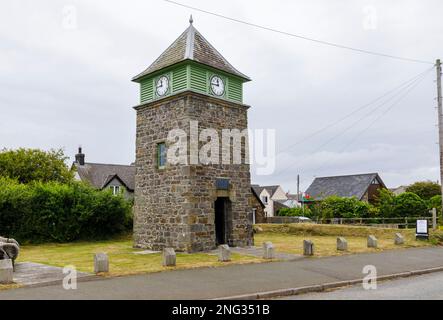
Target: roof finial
x,y
191,20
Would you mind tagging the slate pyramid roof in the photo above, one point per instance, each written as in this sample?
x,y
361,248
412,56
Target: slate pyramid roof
x,y
191,45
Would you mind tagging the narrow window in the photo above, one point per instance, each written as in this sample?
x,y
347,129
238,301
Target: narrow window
x,y
161,155
265,199
115,189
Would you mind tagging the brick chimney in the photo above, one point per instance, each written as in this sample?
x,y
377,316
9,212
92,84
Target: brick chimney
x,y
80,157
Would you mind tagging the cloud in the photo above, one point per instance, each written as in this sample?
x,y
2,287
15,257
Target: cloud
x,y
63,87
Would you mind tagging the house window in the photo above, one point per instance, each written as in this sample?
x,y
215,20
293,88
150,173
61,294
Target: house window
x,y
264,199
374,181
115,189
161,155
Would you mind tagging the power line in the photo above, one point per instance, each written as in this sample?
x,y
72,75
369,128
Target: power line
x,y
382,114
301,36
405,90
355,111
378,118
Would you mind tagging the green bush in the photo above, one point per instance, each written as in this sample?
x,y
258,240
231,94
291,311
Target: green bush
x,y
385,203
409,204
295,212
338,207
435,202
54,212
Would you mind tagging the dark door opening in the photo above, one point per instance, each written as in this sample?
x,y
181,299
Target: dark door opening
x,y
221,213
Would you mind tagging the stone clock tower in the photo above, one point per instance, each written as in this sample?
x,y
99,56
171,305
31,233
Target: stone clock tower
x,y
191,206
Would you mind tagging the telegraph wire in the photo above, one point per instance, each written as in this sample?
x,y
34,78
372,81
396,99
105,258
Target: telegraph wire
x,y
358,135
301,36
403,91
355,111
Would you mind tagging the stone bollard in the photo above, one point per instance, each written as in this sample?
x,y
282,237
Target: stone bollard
x,y
224,253
268,250
169,257
342,244
308,248
372,241
399,239
101,262
6,271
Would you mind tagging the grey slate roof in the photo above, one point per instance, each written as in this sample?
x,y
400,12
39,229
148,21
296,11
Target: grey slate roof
x,y
99,174
342,186
191,45
258,189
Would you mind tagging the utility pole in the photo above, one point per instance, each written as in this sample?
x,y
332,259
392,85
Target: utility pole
x,y
298,194
440,123
298,188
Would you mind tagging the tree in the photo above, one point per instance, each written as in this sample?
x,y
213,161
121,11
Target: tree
x,y
385,203
409,204
425,189
27,165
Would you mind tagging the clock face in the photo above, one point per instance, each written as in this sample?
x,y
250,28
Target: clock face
x,y
162,85
217,86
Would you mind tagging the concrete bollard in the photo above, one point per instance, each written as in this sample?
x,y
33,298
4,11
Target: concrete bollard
x,y
308,248
169,257
399,239
101,262
372,241
224,253
268,250
6,271
342,244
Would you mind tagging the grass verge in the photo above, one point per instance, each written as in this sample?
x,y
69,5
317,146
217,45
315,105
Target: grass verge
x,y
122,260
289,238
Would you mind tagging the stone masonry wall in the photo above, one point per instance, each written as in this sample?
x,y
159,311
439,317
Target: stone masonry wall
x,y
175,206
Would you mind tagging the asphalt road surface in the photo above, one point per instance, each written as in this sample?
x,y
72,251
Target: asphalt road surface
x,y
429,287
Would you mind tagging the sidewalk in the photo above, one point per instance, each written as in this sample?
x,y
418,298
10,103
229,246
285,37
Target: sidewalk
x,y
208,283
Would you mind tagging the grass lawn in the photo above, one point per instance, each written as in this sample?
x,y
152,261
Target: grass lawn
x,y
289,238
286,238
122,260
9,286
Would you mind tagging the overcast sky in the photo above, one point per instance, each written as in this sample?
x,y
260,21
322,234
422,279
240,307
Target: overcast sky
x,y
65,70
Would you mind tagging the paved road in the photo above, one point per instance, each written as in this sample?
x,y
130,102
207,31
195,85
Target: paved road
x,y
429,287
206,283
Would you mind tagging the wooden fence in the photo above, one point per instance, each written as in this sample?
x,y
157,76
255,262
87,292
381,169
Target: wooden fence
x,y
403,222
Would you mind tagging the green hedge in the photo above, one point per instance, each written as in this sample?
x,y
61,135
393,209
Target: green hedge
x,y
295,212
54,212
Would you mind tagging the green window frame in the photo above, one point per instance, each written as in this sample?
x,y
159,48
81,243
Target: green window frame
x,y
161,155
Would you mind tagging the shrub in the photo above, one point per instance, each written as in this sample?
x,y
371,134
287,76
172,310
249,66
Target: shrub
x,y
385,203
409,204
338,207
435,202
54,212
295,212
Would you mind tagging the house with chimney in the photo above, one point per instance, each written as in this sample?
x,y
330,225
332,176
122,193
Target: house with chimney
x,y
118,178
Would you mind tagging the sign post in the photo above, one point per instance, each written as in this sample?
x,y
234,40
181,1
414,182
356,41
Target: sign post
x,y
422,229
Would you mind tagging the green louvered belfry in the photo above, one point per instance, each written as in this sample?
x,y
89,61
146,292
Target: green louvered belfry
x,y
189,65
